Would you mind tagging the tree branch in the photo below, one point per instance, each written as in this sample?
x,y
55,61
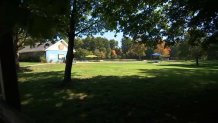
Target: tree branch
x,y
84,29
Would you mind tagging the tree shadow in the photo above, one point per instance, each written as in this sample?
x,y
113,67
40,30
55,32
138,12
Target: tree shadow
x,y
204,65
24,69
167,96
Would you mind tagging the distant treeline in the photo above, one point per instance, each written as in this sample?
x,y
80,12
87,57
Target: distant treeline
x,y
130,49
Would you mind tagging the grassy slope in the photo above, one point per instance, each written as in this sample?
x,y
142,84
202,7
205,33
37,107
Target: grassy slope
x,y
121,93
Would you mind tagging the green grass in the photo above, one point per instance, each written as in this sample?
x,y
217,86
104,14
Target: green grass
x,y
169,92
25,64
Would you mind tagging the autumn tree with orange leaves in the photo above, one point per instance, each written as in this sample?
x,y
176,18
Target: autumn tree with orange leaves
x,y
163,49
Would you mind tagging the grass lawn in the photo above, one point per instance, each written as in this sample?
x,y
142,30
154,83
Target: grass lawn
x,y
169,92
25,64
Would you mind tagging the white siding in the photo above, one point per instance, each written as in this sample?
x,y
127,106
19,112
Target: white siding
x,y
56,46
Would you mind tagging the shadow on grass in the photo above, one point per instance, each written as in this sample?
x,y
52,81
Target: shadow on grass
x,y
203,65
24,69
168,96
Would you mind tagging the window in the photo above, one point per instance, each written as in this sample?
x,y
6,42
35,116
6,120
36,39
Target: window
x,y
61,56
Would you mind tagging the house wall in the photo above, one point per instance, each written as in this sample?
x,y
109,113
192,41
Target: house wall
x,y
54,56
32,56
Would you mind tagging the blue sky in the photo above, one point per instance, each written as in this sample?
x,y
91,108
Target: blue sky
x,y
110,35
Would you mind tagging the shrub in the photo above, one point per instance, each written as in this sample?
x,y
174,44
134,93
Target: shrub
x,y
43,59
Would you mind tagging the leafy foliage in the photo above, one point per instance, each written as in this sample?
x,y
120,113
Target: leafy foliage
x,y
82,53
126,44
183,50
137,49
43,19
98,46
151,21
163,49
198,17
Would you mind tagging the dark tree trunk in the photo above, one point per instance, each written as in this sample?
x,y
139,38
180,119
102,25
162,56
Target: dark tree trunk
x,y
16,48
71,36
197,61
9,76
140,58
69,59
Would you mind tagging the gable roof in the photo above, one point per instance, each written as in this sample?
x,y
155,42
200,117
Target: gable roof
x,y
37,48
60,45
43,47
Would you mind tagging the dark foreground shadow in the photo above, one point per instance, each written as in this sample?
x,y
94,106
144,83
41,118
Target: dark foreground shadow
x,y
163,96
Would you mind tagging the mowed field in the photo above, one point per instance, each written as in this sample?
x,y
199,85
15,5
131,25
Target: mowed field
x,y
118,92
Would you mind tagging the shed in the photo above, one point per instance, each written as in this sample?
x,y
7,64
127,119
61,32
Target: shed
x,y
49,52
56,52
156,56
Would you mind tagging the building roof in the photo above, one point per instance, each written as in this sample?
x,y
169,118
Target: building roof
x,y
37,48
156,54
59,45
44,46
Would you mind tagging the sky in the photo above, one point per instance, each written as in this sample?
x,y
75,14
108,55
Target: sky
x,y
110,35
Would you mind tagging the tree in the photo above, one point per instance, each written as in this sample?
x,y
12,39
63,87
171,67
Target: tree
x,y
126,45
142,20
212,52
113,44
196,39
19,41
82,53
99,53
108,53
138,49
85,19
150,21
79,44
97,45
190,15
163,49
118,52
7,60
38,19
149,53
113,54
181,50
196,52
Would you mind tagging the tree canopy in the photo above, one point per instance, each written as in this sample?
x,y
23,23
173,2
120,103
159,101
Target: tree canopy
x,y
151,21
101,47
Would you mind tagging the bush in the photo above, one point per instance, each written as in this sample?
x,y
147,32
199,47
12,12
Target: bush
x,y
43,59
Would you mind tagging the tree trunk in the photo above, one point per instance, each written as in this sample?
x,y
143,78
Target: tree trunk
x,y
16,47
70,54
196,59
69,59
8,74
139,58
8,70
